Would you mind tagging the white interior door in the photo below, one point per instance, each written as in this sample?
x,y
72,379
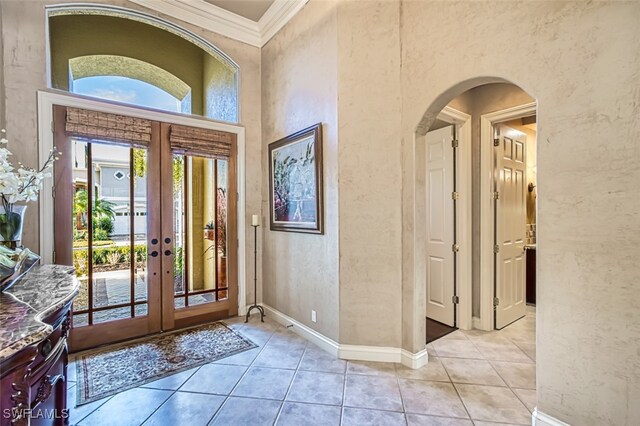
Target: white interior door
x,y
511,219
440,223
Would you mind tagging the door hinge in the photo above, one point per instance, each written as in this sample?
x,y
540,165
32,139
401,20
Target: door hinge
x,y
455,300
496,248
54,257
496,195
455,195
455,248
53,126
496,142
454,143
496,301
53,192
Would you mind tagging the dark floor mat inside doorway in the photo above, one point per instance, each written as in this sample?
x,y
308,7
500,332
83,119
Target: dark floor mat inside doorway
x,y
436,330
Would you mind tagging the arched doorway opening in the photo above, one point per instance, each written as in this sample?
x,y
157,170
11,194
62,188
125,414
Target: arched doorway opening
x,y
475,213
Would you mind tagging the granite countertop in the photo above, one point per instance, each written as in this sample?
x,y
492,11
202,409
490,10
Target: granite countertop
x,y
40,292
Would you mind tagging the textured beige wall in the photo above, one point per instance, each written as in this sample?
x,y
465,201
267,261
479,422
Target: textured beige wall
x,y
23,36
370,173
577,64
299,89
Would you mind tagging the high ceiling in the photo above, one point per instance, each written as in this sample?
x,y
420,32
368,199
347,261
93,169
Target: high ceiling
x,y
251,9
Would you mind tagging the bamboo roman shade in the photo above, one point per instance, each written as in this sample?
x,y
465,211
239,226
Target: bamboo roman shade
x,y
136,132
114,128
200,142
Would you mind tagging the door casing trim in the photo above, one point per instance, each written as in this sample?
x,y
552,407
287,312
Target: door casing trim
x,y
463,214
48,98
487,270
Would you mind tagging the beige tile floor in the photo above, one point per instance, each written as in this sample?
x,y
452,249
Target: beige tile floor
x,y
473,378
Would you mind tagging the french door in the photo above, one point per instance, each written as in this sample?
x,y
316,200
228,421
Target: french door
x,y
199,228
146,212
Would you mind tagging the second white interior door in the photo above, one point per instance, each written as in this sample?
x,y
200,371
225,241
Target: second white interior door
x,y
440,225
511,219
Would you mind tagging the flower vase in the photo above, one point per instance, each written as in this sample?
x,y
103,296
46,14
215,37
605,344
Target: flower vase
x,y
11,225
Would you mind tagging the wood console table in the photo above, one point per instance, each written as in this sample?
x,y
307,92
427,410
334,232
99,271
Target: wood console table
x,y
34,325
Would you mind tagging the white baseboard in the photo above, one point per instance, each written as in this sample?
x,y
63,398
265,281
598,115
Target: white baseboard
x,y
538,418
417,360
302,330
350,352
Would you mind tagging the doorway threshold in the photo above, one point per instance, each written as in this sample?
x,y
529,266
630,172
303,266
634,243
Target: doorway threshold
x,y
436,330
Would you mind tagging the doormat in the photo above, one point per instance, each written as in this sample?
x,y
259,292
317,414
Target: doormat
x,y
107,371
436,330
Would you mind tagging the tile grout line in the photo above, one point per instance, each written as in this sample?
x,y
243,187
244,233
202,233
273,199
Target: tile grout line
x,y
457,392
295,374
344,391
240,379
174,391
404,408
496,371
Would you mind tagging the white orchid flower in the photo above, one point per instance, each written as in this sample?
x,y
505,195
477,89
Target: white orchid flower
x,y
23,184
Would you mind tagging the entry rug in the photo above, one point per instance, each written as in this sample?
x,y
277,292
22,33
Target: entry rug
x,y
107,371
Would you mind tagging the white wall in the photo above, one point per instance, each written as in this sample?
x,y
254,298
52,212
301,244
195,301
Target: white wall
x,y
299,89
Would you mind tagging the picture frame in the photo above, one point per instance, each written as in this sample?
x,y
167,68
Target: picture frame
x,y
296,183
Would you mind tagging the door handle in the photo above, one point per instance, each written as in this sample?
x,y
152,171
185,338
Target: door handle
x,y
154,253
154,241
167,252
167,240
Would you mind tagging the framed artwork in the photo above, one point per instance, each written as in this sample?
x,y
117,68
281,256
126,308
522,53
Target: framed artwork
x,y
295,182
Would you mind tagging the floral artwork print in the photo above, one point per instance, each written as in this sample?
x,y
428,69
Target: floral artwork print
x,y
294,182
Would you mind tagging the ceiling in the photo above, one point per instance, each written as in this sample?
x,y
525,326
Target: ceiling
x,y
250,9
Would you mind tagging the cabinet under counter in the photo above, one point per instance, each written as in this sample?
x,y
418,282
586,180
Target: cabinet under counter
x,y
35,319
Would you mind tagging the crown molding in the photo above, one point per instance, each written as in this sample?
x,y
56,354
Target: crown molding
x,y
277,16
228,24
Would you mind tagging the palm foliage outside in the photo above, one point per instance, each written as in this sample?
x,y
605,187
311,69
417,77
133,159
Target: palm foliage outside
x,y
103,213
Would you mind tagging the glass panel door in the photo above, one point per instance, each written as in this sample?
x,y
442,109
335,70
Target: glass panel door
x,y
109,251
203,268
104,196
